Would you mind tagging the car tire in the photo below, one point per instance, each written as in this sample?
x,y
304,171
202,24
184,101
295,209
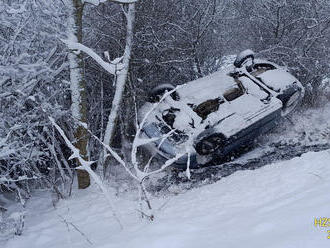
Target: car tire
x,y
242,57
210,144
156,93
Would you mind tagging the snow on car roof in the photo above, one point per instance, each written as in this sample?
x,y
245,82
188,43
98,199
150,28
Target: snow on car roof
x,y
209,87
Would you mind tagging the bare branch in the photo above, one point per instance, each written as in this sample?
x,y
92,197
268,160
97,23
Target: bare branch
x,y
111,68
86,166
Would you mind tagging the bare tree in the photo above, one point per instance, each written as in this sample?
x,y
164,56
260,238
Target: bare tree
x,y
119,68
292,33
121,78
137,171
78,86
32,69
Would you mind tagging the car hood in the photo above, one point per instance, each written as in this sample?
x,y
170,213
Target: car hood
x,y
277,79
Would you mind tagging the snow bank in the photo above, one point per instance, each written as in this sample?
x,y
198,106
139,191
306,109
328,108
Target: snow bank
x,y
310,127
273,206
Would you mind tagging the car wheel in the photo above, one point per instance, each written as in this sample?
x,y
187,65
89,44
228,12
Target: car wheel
x,y
210,144
243,57
156,93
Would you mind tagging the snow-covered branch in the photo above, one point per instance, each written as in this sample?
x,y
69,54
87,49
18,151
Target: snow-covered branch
x,y
120,81
86,165
109,67
97,2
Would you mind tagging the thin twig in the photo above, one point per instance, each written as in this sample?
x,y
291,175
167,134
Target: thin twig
x,y
76,228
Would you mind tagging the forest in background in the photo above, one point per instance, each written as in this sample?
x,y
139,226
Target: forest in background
x,y
156,42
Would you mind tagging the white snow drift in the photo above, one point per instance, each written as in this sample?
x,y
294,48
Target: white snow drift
x,y
273,206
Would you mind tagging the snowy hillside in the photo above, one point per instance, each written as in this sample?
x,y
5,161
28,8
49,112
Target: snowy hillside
x,y
273,206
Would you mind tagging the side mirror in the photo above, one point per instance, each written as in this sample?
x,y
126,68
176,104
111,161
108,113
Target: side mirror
x,y
243,57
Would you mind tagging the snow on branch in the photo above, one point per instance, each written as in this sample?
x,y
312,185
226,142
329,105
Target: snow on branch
x,y
109,67
86,166
138,142
97,2
145,141
139,172
115,155
156,104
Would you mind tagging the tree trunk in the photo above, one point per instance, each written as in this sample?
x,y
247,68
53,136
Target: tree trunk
x,y
78,90
120,81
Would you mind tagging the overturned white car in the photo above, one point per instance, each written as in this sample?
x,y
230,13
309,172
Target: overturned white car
x,y
218,115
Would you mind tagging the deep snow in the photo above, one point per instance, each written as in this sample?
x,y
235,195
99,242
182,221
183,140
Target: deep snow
x,y
273,206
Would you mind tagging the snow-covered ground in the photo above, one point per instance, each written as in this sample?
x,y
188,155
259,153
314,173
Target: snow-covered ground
x,y
273,206
309,127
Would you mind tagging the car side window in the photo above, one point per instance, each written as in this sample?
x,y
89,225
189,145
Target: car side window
x,y
208,107
261,68
233,93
